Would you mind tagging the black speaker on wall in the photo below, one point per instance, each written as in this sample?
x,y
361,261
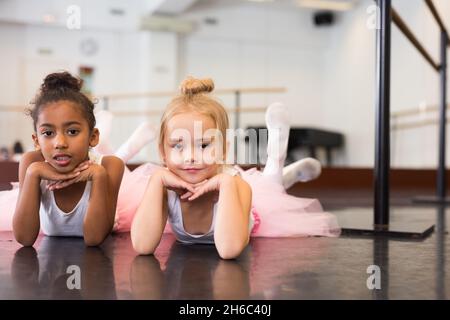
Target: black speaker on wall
x,y
323,18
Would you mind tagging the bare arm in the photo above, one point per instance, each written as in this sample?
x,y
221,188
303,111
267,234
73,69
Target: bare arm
x,y
32,169
151,216
231,232
99,219
26,216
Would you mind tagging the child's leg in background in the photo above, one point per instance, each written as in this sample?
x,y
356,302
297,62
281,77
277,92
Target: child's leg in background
x,y
277,122
301,171
143,134
104,123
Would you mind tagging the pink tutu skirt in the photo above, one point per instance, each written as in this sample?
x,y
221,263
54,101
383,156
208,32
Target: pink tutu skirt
x,y
8,200
275,213
279,214
131,191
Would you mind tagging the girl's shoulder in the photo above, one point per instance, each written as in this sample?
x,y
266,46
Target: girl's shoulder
x,y
105,161
114,168
236,173
30,157
230,170
112,162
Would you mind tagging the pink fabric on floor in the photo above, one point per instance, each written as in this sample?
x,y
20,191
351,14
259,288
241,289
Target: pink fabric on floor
x,y
131,191
283,215
277,214
8,201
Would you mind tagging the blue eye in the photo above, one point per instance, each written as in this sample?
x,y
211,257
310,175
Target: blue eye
x,y
178,146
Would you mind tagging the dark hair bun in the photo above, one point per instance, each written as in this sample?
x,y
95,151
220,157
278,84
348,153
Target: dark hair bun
x,y
59,80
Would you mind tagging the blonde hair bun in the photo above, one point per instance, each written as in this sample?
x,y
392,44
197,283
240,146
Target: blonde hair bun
x,y
191,86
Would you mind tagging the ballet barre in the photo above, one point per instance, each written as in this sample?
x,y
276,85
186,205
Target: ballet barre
x,y
174,93
150,111
397,124
442,69
415,111
237,92
386,16
13,108
159,111
416,124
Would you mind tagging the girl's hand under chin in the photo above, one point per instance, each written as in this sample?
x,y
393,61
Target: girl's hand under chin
x,y
173,182
43,170
209,185
87,171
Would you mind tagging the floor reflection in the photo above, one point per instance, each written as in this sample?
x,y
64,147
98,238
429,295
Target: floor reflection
x,y
44,273
440,252
190,272
381,260
269,268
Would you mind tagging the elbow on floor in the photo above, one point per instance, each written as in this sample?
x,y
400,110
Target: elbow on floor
x,y
143,250
230,251
93,241
24,241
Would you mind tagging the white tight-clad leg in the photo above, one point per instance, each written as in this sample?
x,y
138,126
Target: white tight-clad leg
x,y
143,134
104,124
277,122
301,171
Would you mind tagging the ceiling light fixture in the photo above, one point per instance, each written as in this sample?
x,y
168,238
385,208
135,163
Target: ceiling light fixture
x,y
327,4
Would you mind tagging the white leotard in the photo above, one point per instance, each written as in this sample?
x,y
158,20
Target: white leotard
x,y
176,220
54,221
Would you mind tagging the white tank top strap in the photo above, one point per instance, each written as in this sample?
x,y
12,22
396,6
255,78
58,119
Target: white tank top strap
x,y
95,156
232,171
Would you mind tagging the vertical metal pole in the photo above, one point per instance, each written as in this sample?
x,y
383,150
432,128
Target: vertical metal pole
x,y
237,115
237,122
441,176
105,103
382,125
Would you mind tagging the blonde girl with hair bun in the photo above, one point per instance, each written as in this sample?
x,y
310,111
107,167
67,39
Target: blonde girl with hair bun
x,y
202,203
204,200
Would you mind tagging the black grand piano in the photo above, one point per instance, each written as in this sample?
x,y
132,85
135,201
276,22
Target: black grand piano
x,y
311,139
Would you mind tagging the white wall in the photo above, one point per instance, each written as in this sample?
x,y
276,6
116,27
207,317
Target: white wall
x,y
349,86
125,62
259,46
329,73
11,123
127,59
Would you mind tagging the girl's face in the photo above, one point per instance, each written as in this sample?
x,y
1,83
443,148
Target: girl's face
x,y
192,149
63,136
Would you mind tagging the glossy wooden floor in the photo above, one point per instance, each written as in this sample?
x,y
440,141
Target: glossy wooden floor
x,y
291,268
